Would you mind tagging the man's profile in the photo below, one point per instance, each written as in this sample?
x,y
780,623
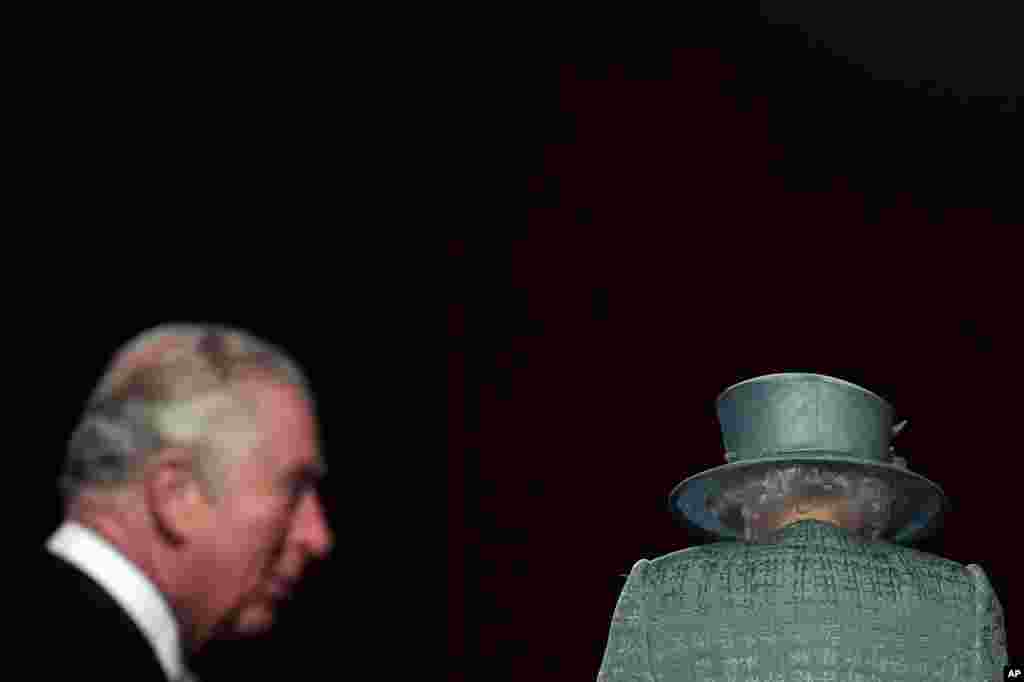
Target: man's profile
x,y
191,509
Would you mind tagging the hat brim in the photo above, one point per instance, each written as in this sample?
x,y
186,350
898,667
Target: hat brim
x,y
918,503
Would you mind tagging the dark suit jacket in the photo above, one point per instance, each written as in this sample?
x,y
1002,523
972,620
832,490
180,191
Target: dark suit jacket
x,y
82,632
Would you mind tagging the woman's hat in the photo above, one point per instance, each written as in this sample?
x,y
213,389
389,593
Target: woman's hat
x,y
798,418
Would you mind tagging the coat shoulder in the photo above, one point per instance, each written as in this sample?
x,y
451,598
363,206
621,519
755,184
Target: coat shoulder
x,y
713,551
738,552
921,558
75,604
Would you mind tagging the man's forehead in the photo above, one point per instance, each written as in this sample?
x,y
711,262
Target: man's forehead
x,y
287,463
288,420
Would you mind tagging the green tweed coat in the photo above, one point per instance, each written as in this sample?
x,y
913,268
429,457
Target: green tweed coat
x,y
817,604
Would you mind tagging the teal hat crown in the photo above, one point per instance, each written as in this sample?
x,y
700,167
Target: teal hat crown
x,y
791,417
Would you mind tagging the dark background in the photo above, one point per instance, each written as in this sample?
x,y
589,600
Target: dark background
x,y
786,192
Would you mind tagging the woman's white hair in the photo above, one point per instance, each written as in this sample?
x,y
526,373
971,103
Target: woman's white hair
x,y
173,385
750,498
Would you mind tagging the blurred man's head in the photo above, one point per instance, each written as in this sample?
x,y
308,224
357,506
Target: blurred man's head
x,y
197,456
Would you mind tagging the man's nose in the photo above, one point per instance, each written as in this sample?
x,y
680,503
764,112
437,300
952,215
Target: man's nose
x,y
313,531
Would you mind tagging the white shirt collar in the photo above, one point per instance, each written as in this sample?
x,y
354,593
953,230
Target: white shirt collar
x,y
127,584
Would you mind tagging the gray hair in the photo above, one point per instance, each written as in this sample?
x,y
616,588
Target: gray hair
x,y
751,497
172,385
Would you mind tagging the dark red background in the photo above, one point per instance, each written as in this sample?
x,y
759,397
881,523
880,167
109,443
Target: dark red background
x,y
779,199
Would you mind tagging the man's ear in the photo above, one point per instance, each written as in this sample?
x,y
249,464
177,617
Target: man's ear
x,y
174,496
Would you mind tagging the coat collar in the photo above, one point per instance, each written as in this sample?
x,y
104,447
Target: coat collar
x,y
126,584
